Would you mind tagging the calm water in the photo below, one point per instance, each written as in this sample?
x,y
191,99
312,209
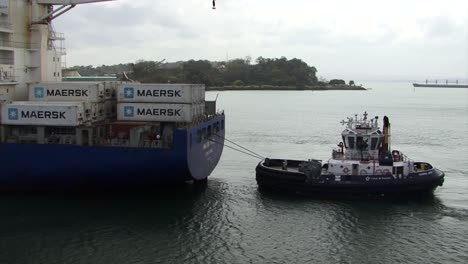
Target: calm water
x,y
229,221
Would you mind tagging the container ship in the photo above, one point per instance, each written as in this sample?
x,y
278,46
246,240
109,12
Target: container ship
x,y
444,85
68,135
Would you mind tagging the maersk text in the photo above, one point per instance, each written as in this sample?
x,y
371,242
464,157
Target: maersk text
x,y
159,93
158,112
67,92
43,114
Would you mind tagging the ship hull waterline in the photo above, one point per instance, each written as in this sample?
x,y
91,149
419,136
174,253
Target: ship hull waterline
x,y
63,167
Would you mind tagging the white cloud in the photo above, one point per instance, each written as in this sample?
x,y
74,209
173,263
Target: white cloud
x,y
339,37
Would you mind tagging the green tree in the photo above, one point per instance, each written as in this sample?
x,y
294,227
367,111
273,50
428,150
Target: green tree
x,y
237,69
266,71
200,71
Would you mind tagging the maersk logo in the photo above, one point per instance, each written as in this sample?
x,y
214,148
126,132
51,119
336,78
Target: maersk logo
x,y
39,92
129,92
129,111
13,114
158,112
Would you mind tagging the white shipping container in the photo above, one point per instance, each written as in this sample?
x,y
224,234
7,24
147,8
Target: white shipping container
x,y
7,93
94,111
110,108
148,112
43,113
111,89
101,111
199,109
161,93
67,92
201,92
202,109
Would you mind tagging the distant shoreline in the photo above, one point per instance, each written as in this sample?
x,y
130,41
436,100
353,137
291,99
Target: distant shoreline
x,y
285,88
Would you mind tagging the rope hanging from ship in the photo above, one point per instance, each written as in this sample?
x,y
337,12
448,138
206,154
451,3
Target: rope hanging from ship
x,y
238,150
256,154
246,152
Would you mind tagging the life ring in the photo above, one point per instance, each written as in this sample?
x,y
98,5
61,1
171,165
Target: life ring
x,y
363,172
386,172
379,171
346,170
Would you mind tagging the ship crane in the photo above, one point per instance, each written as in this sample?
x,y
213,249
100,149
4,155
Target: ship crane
x,y
65,6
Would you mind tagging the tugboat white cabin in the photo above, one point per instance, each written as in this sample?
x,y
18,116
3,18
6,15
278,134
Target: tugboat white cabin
x,y
364,150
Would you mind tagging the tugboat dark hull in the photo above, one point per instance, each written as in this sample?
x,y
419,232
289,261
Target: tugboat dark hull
x,y
277,179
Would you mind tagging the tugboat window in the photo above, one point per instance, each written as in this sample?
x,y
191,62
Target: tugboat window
x,y
361,143
374,142
351,142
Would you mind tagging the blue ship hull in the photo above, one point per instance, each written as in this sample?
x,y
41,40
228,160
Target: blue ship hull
x,y
45,166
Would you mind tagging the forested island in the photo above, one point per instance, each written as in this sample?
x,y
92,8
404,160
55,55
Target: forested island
x,y
237,74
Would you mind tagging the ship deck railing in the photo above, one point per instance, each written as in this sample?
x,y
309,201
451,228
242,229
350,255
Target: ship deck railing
x,y
199,120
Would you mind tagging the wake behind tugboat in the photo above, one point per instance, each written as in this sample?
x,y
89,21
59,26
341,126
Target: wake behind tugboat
x,y
363,166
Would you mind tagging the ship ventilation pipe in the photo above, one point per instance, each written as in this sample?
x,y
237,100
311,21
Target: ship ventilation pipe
x,y
386,132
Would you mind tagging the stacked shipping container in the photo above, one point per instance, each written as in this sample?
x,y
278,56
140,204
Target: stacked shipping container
x,y
78,103
160,102
7,93
92,94
82,102
110,102
67,92
43,113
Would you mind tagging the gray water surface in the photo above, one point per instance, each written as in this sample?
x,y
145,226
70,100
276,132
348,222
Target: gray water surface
x,y
230,221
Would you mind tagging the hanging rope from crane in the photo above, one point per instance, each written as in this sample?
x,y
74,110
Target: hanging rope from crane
x,y
214,4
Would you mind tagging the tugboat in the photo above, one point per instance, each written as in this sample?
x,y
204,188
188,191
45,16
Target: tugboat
x,y
362,165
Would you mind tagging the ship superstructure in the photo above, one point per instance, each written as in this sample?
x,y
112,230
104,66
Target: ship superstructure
x,y
30,49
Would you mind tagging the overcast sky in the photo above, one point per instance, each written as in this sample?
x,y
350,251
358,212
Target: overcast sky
x,y
359,39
